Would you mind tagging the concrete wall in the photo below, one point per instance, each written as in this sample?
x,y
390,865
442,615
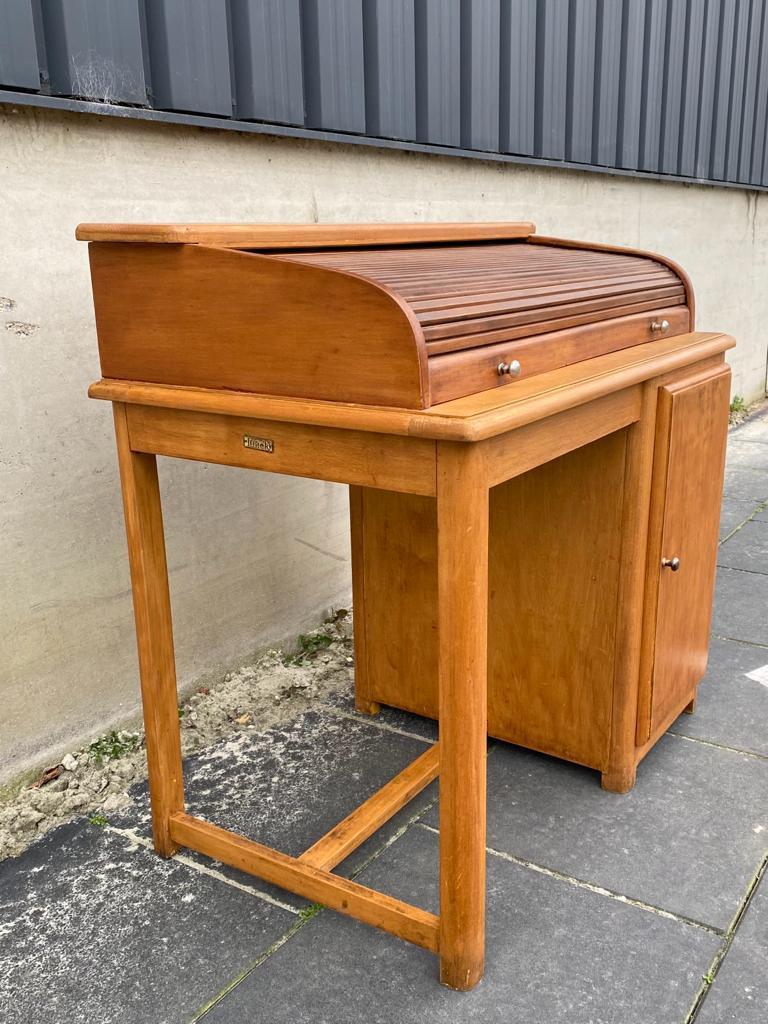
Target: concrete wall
x,y
253,558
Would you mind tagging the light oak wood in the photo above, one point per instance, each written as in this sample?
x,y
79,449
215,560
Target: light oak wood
x,y
199,316
332,848
322,453
282,236
555,538
154,632
409,324
462,582
506,541
340,894
363,702
688,483
465,419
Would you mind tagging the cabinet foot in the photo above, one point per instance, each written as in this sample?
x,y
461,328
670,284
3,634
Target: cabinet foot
x,y
619,781
367,707
690,708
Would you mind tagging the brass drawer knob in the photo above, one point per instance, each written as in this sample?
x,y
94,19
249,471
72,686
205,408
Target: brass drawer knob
x,y
660,326
513,367
670,563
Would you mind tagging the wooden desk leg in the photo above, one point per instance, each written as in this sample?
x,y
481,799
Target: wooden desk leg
x,y
154,633
462,549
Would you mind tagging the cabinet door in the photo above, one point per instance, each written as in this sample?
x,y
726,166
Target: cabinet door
x,y
692,423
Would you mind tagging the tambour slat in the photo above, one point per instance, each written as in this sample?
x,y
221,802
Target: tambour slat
x,y
477,297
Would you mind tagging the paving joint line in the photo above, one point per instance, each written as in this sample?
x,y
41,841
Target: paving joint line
x,y
305,919
206,1008
737,640
599,890
718,746
761,507
203,869
708,979
736,568
370,720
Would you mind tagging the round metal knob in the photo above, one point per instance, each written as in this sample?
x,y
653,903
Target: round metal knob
x,y
670,563
660,326
513,367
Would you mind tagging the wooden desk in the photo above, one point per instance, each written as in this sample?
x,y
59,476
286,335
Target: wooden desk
x,y
532,558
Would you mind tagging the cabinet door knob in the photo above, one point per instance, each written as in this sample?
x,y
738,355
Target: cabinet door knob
x,y
660,326
670,563
513,367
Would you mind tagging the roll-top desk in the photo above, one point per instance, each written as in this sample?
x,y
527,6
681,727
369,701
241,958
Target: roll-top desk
x,y
533,436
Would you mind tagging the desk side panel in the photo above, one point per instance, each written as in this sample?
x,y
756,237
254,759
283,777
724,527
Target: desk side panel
x,y
198,316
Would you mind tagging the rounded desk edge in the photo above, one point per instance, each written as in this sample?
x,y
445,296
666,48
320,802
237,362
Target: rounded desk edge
x,y
473,418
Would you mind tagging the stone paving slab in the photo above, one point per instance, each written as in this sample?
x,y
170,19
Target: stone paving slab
x,y
747,549
731,709
741,600
734,512
287,787
95,931
739,994
753,429
687,838
745,482
556,952
392,718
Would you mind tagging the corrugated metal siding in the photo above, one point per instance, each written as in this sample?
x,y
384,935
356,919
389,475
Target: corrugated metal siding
x,y
666,87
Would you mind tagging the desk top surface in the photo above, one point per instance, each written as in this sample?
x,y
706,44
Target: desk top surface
x,y
473,418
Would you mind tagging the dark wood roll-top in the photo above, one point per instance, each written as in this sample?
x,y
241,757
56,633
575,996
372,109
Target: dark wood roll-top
x,y
389,315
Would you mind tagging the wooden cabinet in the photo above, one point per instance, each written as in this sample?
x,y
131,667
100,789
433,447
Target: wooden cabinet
x,y
554,597
689,456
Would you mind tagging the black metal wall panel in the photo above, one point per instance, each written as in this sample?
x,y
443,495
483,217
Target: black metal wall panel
x,y
761,106
580,113
652,83
518,77
551,78
607,84
631,88
480,54
672,95
669,88
334,76
18,51
691,97
438,72
189,55
94,49
266,50
389,30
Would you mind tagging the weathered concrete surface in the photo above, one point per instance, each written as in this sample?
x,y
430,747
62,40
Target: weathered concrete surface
x,y
252,558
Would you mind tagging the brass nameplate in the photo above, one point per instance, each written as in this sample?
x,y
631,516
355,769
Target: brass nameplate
x,y
258,444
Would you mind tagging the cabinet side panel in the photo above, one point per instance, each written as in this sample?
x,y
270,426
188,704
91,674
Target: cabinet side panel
x,y
400,587
698,422
554,573
553,579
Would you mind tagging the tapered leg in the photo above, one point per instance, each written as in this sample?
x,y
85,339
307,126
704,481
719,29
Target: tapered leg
x,y
462,544
690,707
154,634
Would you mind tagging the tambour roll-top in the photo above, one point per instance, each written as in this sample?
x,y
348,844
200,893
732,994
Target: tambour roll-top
x,y
408,316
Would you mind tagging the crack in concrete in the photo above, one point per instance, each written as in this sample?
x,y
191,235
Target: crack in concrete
x,y
761,507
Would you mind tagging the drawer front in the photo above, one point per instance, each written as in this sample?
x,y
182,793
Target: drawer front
x,y
692,423
477,369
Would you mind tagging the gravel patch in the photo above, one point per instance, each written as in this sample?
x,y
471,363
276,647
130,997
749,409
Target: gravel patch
x,y
270,692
